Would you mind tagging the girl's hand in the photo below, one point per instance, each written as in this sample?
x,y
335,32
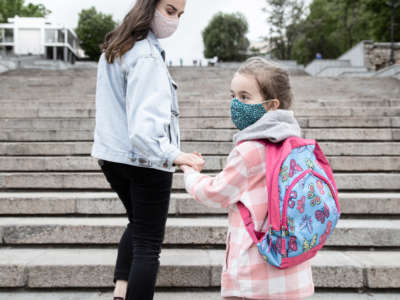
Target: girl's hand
x,y
192,160
198,154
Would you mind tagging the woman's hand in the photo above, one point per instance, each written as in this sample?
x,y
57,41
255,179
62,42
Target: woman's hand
x,y
194,160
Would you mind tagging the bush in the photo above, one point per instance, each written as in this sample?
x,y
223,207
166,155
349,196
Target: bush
x,y
91,30
225,37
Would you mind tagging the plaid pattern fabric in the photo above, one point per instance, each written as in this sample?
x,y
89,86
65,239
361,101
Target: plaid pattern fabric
x,y
245,273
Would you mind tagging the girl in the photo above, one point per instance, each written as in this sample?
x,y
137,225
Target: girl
x,y
261,97
137,137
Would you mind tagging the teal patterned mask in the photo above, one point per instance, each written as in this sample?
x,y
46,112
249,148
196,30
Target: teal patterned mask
x,y
243,115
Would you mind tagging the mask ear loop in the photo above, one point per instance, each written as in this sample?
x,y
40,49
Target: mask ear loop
x,y
269,100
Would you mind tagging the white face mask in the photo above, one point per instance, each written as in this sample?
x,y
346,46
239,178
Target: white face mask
x,y
163,26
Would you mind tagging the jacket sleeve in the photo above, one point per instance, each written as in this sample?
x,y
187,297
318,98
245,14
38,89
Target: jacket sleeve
x,y
148,107
222,190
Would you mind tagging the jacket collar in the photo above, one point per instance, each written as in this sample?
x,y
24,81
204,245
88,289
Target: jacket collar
x,y
153,39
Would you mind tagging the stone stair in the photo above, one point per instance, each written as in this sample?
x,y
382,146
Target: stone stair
x,y
60,223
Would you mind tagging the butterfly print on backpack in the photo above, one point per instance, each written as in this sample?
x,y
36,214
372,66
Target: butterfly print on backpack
x,y
311,195
300,204
293,243
320,187
306,223
291,224
294,167
310,164
320,215
284,173
307,245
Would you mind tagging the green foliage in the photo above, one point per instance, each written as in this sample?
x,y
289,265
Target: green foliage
x,y
331,27
11,8
379,16
225,37
91,30
285,17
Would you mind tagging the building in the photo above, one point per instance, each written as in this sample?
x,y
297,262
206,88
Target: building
x,y
41,37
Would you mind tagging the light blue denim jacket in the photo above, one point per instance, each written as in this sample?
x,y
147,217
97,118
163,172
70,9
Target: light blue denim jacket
x,y
137,109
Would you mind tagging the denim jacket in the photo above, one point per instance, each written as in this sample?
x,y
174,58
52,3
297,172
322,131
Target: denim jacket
x,y
137,109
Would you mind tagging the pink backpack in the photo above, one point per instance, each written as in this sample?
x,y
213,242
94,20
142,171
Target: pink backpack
x,y
303,206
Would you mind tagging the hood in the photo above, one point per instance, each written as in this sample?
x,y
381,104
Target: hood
x,y
276,126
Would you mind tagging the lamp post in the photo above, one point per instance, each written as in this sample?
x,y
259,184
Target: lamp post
x,y
393,4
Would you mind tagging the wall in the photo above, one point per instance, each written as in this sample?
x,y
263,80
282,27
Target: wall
x,y
355,55
317,65
377,55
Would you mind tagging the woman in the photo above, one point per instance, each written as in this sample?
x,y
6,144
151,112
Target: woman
x,y
137,137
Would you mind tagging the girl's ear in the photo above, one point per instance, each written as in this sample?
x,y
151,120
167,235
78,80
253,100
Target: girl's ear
x,y
273,105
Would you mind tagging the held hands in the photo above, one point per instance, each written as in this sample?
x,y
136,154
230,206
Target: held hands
x,y
190,160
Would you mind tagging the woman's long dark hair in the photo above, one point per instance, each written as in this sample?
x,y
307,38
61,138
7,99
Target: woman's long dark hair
x,y
134,27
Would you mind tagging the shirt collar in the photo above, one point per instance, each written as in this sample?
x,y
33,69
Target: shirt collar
x,y
153,39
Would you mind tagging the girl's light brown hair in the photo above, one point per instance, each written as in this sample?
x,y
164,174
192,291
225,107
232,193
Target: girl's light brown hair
x,y
134,27
272,80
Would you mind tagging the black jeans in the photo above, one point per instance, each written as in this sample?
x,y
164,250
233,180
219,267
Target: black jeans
x,y
145,193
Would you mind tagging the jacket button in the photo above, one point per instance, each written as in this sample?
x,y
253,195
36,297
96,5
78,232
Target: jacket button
x,y
133,159
165,165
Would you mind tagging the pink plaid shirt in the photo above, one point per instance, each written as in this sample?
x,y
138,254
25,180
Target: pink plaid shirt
x,y
245,273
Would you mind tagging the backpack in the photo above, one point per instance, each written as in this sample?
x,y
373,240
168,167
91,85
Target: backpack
x,y
303,206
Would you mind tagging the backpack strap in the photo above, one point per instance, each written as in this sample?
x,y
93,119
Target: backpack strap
x,y
245,213
248,222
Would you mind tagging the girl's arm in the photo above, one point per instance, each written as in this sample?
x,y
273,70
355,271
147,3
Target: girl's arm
x,y
222,190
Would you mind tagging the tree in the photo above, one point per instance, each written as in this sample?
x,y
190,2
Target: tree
x,y
331,28
91,30
225,37
285,18
12,8
379,15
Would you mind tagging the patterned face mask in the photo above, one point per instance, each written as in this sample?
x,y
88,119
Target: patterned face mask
x,y
243,115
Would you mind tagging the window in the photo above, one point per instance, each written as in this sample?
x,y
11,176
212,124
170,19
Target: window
x,y
71,39
61,36
51,35
6,35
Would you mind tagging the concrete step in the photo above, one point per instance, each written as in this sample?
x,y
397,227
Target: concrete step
x,y
83,267
181,204
202,123
89,102
328,134
200,295
193,231
213,163
216,135
196,111
76,180
208,148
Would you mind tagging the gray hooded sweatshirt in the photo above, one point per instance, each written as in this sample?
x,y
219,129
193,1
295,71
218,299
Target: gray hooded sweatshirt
x,y
275,125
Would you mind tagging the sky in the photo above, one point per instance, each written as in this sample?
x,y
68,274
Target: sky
x,y
187,42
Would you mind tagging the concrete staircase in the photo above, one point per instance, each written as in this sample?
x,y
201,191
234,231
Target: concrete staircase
x,y
60,223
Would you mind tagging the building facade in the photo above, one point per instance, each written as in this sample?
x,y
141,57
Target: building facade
x,y
39,36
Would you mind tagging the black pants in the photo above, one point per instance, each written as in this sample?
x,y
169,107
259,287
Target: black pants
x,y
145,193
